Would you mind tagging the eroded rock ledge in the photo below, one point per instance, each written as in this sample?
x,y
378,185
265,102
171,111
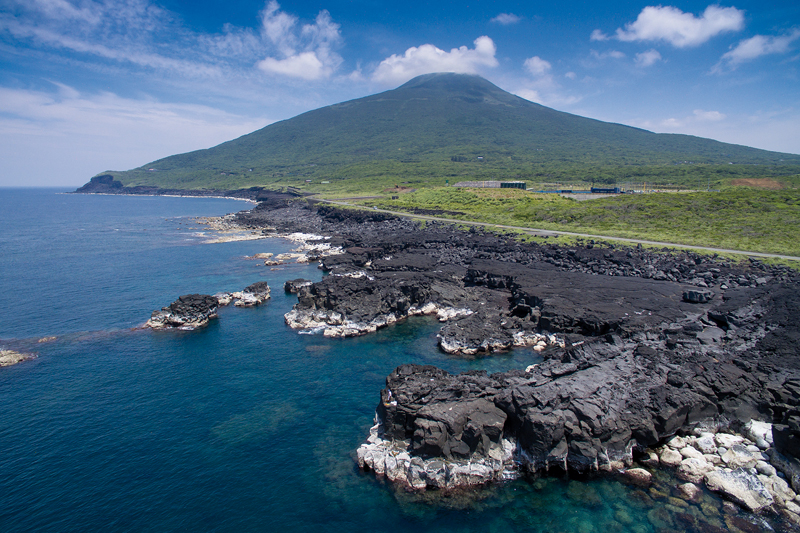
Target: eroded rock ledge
x,y
193,311
601,404
491,291
190,311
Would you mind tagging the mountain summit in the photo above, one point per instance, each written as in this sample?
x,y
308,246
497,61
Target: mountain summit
x,y
436,125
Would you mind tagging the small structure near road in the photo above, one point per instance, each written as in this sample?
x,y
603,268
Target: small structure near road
x,y
492,184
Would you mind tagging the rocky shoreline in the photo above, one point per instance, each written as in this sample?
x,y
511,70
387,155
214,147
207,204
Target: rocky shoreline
x,y
106,184
642,351
638,347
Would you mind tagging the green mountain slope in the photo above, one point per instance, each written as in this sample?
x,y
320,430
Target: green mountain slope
x,y
451,126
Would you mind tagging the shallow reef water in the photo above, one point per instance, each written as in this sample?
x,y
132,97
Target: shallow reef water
x,y
244,425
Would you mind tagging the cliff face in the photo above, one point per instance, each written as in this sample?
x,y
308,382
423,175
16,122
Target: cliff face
x,y
105,184
602,402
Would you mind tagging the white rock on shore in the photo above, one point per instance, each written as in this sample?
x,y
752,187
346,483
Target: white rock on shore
x,y
333,324
10,357
251,296
391,459
227,230
733,466
742,487
166,320
312,248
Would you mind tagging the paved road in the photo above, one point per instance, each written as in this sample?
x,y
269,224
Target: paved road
x,y
543,232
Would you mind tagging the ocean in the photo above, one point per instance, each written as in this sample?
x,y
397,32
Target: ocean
x,y
243,426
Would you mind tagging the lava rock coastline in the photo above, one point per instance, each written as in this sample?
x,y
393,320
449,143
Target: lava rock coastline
x,y
638,346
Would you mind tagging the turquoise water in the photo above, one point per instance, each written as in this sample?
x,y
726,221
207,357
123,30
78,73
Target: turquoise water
x,y
243,426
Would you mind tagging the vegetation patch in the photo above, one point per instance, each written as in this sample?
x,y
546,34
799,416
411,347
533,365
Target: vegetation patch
x,y
739,219
442,128
409,145
758,183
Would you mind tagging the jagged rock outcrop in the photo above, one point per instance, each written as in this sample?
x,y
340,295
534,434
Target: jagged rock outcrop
x,y
251,296
104,184
601,400
190,311
698,296
293,286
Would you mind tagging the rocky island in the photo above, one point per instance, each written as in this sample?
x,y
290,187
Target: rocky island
x,y
638,347
193,311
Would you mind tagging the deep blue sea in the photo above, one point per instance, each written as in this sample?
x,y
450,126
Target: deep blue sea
x,y
243,426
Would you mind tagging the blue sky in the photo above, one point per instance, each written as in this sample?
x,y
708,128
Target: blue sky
x,y
91,85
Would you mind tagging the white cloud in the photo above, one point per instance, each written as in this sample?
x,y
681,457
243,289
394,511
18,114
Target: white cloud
x,y
506,18
278,27
530,95
708,116
106,130
670,24
139,33
316,60
123,53
758,46
129,32
357,75
428,58
648,58
547,96
542,87
63,9
537,66
598,35
613,54
672,123
305,65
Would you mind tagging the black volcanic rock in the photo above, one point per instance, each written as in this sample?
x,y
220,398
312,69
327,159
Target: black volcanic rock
x,y
293,286
592,403
254,295
696,296
628,361
190,311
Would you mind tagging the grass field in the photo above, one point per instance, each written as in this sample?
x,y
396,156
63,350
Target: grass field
x,y
752,219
